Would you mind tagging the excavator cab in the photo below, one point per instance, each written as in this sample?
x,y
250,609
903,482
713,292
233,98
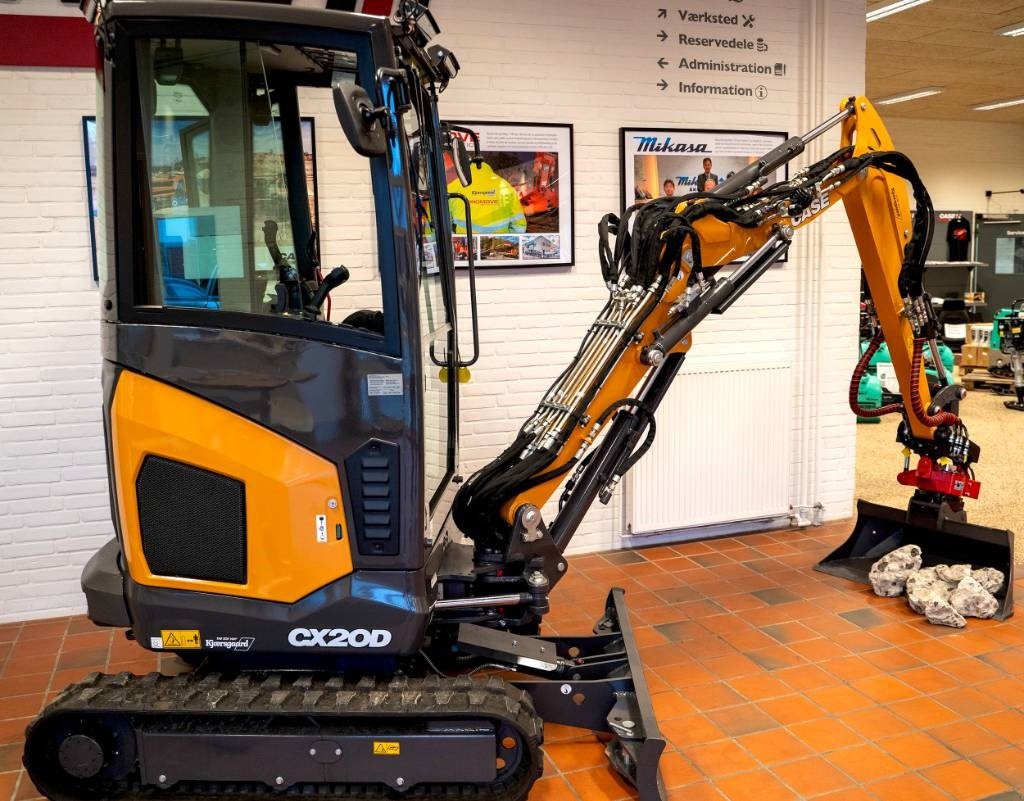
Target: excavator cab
x,y
280,373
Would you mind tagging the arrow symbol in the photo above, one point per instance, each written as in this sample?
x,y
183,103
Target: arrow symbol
x,y
662,62
663,84
663,36
662,13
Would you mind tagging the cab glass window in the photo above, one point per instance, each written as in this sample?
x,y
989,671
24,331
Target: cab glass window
x,y
226,184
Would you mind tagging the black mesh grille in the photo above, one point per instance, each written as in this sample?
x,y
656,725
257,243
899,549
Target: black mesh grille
x,y
192,521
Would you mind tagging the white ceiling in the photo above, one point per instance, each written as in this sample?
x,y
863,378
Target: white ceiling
x,y
952,44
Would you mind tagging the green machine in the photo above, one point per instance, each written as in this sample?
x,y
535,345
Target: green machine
x,y
874,392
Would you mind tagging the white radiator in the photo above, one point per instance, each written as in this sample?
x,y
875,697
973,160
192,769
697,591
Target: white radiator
x,y
722,452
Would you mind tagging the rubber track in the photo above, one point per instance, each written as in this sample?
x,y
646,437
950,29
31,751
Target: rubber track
x,y
237,697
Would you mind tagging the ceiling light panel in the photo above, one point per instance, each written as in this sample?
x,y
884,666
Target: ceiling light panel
x,y
999,104
892,8
917,94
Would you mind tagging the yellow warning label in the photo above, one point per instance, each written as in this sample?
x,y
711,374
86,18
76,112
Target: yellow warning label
x,y
181,638
386,749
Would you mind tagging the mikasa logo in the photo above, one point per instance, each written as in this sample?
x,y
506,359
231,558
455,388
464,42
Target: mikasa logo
x,y
339,638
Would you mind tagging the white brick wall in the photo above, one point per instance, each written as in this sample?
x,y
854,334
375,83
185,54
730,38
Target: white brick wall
x,y
587,62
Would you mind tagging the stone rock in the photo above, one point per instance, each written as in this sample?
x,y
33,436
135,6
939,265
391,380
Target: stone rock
x,y
971,599
942,613
989,578
924,586
888,576
953,574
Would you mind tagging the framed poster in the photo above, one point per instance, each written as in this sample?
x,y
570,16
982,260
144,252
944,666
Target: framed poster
x,y
660,162
184,138
521,196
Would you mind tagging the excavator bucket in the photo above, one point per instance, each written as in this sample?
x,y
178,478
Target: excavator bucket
x,y
881,529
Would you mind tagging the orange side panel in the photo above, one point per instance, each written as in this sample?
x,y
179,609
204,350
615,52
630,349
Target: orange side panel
x,y
286,487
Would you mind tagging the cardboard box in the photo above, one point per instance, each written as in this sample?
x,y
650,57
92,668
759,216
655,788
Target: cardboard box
x,y
974,356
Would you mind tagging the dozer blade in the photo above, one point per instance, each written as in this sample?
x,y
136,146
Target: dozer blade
x,y
943,541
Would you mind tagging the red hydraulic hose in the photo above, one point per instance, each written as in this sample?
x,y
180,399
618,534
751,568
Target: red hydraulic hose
x,y
858,374
940,419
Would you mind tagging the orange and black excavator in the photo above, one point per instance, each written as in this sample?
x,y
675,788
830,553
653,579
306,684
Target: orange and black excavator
x,y
290,519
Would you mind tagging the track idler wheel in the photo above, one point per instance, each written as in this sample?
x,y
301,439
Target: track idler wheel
x,y
75,757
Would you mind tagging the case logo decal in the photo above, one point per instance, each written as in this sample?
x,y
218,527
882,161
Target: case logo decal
x,y
339,638
181,639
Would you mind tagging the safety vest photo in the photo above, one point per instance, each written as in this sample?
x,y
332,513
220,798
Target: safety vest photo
x,y
495,206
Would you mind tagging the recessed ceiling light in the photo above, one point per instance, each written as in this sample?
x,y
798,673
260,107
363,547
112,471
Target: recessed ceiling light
x,y
893,8
927,91
1017,29
1000,104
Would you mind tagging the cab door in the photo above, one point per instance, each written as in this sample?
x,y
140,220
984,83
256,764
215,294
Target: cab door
x,y
289,438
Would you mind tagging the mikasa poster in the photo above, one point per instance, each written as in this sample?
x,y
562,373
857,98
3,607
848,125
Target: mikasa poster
x,y
521,196
674,162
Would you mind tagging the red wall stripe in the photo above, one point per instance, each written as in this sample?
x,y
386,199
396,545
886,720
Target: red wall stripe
x,y
29,41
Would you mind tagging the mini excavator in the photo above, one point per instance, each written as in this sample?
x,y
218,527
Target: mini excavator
x,y
362,621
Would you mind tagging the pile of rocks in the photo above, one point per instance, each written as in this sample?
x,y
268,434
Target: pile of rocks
x,y
945,594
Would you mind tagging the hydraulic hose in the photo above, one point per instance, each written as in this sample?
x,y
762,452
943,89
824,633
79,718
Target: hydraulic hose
x,y
858,374
940,419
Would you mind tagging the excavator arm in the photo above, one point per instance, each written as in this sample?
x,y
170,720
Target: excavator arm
x,y
661,262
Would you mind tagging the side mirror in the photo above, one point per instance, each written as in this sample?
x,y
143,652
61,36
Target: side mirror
x,y
462,161
360,121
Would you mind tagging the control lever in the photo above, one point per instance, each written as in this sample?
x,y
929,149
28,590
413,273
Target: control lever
x,y
333,279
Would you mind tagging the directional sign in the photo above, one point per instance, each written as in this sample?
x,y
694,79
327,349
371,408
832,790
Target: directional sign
x,y
663,62
663,84
663,36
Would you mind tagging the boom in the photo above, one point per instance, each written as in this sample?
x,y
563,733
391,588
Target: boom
x,y
661,272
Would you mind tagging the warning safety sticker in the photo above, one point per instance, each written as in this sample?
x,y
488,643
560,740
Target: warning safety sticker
x,y
181,638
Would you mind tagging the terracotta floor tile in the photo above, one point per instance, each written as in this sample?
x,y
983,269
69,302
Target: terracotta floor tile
x,y
885,689
849,794
552,788
969,702
731,666
690,731
671,705
771,747
600,784
876,723
865,617
21,706
866,763
10,757
1006,765
23,685
786,633
41,646
95,657
681,631
791,709
759,687
917,750
761,784
1008,660
819,650
860,642
839,699
23,666
813,776
775,657
924,712
576,755
722,758
743,719
969,670
826,735
908,787
928,679
8,781
701,791
899,633
44,628
1008,724
932,652
556,732
850,668
805,677
1007,691
685,673
711,696
966,738
964,780
892,660
677,770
